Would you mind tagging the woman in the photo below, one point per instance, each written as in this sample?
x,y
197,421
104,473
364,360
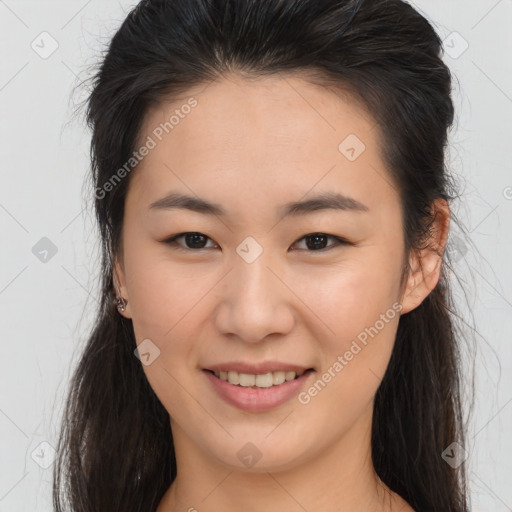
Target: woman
x,y
275,328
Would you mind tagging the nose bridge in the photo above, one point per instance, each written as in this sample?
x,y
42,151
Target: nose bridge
x,y
255,302
253,281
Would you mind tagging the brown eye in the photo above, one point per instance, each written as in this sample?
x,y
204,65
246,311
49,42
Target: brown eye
x,y
318,241
192,241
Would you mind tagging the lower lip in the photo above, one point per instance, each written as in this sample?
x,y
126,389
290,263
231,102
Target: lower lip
x,y
252,399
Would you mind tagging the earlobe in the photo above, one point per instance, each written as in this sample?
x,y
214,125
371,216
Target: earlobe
x,y
120,291
425,264
421,282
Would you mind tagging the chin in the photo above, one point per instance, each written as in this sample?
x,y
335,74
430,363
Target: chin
x,y
257,454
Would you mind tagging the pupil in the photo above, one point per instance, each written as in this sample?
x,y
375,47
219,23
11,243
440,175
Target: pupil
x,y
316,238
194,237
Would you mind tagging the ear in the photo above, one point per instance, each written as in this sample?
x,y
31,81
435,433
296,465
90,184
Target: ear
x,y
120,286
425,263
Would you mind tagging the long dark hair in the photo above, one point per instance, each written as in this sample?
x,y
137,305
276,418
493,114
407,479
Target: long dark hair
x,y
115,451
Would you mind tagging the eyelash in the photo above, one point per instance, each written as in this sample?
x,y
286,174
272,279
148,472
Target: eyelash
x,y
172,241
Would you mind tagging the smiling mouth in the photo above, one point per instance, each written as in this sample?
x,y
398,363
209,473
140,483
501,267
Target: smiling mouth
x,y
259,381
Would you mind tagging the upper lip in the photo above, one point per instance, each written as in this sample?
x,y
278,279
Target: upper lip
x,y
257,368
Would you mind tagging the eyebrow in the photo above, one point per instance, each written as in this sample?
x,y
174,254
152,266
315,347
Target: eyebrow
x,y
325,201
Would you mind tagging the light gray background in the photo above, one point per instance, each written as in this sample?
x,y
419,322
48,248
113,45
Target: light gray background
x,y
46,306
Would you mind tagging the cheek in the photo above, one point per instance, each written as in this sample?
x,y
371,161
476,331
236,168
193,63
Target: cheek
x,y
351,295
161,292
359,303
354,358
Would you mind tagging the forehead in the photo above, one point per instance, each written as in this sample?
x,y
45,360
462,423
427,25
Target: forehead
x,y
284,106
273,135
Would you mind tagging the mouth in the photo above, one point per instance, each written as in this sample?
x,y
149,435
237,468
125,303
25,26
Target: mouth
x,y
261,380
257,392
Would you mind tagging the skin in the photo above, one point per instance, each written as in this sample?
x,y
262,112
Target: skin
x,y
251,146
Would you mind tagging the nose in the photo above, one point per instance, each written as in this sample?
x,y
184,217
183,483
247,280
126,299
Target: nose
x,y
254,302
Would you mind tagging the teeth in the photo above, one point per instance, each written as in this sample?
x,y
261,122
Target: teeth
x,y
246,380
233,377
289,376
263,380
278,378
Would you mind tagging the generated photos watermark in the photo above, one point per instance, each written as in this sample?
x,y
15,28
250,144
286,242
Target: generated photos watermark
x,y
342,360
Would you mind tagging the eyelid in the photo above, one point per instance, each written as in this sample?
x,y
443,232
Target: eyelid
x,y
172,241
340,241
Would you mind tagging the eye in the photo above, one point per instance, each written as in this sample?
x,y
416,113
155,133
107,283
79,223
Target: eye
x,y
193,240
196,241
316,241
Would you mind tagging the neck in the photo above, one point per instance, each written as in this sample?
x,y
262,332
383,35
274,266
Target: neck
x,y
340,478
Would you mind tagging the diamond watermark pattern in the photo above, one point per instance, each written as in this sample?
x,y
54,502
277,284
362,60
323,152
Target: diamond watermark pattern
x,y
44,45
456,249
249,455
249,249
351,147
44,454
44,250
146,352
455,455
455,45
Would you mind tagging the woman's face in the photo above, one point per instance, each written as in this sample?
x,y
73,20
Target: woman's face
x,y
252,289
